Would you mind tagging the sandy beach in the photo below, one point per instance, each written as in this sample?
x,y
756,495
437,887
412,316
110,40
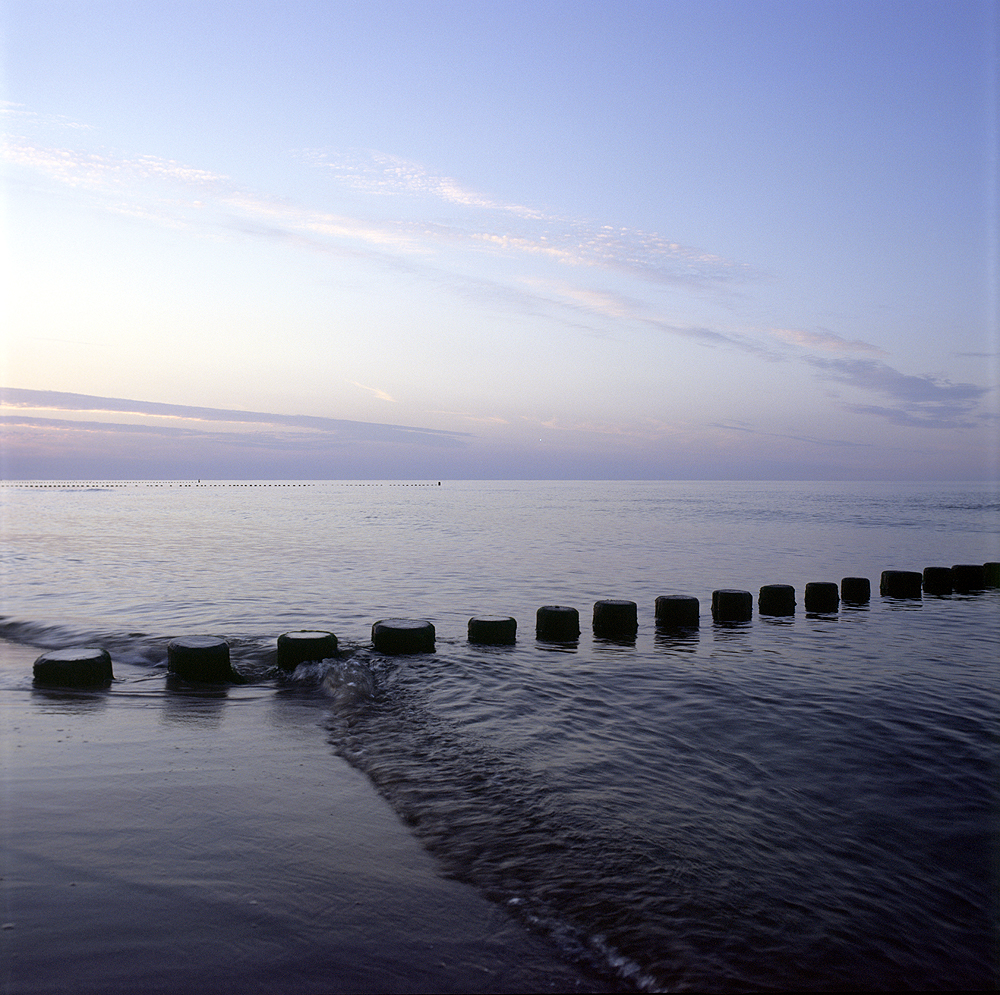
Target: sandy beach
x,y
210,841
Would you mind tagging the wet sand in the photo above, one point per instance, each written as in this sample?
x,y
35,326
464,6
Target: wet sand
x,y
193,841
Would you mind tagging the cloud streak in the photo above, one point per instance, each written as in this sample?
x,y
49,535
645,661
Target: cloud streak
x,y
12,111
824,341
211,205
178,195
515,228
809,439
921,401
14,401
380,394
617,307
378,173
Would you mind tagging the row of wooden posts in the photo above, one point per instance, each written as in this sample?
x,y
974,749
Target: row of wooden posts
x,y
206,658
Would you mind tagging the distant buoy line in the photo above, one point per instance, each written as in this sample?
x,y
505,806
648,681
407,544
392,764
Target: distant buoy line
x,y
76,485
206,658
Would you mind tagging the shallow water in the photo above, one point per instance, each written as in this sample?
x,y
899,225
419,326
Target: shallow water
x,y
806,803
203,840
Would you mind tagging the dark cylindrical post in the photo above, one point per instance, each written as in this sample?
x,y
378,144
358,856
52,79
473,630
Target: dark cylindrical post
x,y
991,572
856,590
403,635
731,605
201,658
822,596
616,619
969,577
305,646
75,667
677,611
776,599
493,630
937,580
557,623
900,584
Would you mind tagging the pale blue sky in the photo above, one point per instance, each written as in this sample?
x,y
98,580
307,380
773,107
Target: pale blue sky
x,y
673,239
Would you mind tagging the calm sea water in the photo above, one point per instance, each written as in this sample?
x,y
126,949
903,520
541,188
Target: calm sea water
x,y
805,803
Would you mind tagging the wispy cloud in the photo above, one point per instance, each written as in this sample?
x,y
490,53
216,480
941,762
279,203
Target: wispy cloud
x,y
212,205
481,419
601,302
180,195
824,340
16,112
940,416
618,307
809,439
515,228
712,337
176,195
378,173
639,431
17,403
97,170
380,394
920,401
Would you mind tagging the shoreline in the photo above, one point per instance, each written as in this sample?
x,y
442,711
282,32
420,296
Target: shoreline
x,y
211,841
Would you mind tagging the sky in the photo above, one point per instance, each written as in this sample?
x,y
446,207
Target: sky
x,y
596,240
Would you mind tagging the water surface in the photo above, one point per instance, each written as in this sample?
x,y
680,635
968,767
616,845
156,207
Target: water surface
x,y
806,803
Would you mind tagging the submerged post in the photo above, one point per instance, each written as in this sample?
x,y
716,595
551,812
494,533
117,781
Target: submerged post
x,y
557,624
403,635
732,605
677,611
305,646
75,667
822,596
616,619
937,580
969,577
900,584
201,658
856,590
493,630
776,599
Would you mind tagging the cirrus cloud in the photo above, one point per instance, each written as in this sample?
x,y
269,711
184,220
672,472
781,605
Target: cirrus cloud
x,y
824,341
922,401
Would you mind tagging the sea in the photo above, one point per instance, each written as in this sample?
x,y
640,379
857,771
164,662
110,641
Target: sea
x,y
799,803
